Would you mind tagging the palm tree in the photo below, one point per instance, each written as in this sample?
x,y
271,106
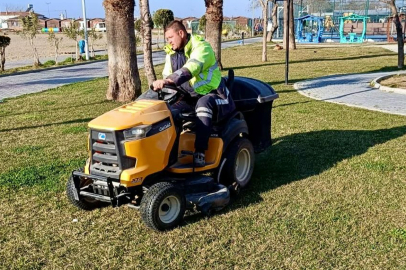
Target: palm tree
x,y
124,79
214,21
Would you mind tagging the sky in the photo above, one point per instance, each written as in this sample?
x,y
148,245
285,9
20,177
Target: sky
x,y
94,8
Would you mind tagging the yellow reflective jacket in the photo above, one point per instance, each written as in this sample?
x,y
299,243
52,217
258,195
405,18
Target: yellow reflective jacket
x,y
201,62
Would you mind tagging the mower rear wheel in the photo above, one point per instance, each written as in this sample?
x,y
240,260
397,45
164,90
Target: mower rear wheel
x,y
239,163
163,206
84,203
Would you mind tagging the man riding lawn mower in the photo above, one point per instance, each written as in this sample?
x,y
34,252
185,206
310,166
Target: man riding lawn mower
x,y
143,154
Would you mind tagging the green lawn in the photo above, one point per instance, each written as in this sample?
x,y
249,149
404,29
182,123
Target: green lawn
x,y
329,194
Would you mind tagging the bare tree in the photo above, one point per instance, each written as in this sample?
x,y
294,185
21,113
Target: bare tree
x,y
275,23
264,6
30,31
214,21
53,40
93,36
124,79
72,32
4,42
146,29
13,8
399,34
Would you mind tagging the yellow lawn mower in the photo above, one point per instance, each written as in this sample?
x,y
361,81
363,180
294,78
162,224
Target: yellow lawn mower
x,y
141,155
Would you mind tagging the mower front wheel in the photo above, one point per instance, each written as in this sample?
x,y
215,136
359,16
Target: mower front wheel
x,y
163,206
83,203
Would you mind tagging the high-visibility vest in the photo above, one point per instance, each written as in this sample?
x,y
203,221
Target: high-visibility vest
x,y
201,62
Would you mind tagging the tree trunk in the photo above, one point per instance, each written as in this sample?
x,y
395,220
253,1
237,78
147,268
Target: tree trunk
x,y
124,79
56,54
76,50
214,20
157,39
285,23
264,27
35,53
275,23
292,41
399,34
147,41
3,58
291,30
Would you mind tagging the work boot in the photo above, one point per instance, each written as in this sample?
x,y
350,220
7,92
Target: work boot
x,y
199,159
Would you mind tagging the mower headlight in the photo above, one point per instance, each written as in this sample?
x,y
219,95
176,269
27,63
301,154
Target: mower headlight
x,y
136,133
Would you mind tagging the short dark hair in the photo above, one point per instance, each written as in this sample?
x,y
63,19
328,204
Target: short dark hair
x,y
176,26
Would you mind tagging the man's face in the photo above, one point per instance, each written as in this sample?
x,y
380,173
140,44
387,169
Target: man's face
x,y
175,39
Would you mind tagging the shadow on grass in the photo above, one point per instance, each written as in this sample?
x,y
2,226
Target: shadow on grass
x,y
299,156
310,60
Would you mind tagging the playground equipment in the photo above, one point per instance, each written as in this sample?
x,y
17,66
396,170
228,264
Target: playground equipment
x,y
310,29
352,37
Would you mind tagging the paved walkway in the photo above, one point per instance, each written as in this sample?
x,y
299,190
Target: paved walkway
x,y
354,90
41,80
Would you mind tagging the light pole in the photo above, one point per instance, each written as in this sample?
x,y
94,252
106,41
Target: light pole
x,y
85,28
287,45
49,15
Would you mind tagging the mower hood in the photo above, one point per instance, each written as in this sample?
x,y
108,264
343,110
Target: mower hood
x,y
140,112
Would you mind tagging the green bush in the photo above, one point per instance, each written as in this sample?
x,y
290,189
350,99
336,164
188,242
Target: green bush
x,y
49,63
68,60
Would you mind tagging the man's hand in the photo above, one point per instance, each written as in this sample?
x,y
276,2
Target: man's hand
x,y
159,84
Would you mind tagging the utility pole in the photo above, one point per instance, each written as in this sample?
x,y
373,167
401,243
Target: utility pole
x,y
85,29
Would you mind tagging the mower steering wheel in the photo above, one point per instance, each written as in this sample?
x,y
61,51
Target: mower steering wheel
x,y
170,93
178,89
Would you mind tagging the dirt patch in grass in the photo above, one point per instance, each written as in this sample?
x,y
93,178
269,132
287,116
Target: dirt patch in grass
x,y
396,81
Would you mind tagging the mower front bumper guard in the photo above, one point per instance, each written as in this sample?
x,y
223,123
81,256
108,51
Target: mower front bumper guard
x,y
87,191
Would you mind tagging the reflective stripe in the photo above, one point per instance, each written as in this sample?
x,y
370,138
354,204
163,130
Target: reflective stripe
x,y
178,72
197,62
203,114
221,101
204,109
209,75
227,92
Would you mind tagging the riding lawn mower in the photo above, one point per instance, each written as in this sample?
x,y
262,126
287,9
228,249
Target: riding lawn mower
x,y
141,155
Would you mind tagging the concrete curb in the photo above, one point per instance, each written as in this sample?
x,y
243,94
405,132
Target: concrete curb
x,y
50,68
376,84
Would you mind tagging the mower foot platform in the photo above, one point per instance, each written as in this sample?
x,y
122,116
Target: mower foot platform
x,y
205,195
